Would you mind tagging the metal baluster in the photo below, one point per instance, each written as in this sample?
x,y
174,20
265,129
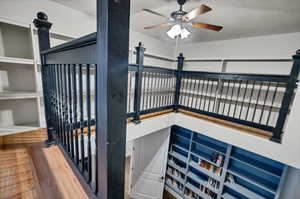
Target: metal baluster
x,y
231,98
206,93
151,91
198,91
252,90
156,90
264,105
202,92
66,111
143,90
243,99
272,103
88,103
75,97
194,91
237,97
215,97
71,127
95,130
60,106
148,91
225,99
186,91
258,95
221,93
211,93
82,145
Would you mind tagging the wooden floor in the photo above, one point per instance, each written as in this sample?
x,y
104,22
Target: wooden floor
x,y
29,171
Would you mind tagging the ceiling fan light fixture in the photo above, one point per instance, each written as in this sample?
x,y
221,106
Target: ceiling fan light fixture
x,y
174,31
184,33
177,30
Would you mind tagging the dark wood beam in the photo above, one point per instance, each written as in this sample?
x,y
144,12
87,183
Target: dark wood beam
x,y
111,87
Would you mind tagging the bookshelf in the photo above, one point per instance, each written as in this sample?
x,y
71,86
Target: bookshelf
x,y
21,102
200,167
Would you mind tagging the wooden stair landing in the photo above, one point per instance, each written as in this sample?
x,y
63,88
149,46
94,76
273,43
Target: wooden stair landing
x,y
31,171
17,174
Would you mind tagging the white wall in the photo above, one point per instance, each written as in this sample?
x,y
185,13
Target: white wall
x,y
153,47
290,187
271,46
68,21
281,46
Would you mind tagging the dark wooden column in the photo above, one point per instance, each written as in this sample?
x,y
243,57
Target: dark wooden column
x,y
43,26
140,50
180,63
287,99
111,87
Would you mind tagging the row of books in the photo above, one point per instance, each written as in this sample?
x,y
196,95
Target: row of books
x,y
210,167
230,178
210,194
175,173
174,183
214,183
218,159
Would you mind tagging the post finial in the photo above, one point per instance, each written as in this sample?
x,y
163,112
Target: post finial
x,y
42,21
140,47
297,55
42,16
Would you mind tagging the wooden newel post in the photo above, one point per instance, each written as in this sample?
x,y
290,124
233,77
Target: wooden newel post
x,y
111,95
180,63
287,98
43,26
140,51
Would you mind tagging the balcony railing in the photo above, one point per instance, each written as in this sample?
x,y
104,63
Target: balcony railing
x,y
85,101
256,100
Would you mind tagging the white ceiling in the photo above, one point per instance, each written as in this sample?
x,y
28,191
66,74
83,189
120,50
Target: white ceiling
x,y
240,18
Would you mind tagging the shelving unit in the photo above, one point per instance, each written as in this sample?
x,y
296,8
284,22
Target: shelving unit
x,y
19,108
21,102
216,170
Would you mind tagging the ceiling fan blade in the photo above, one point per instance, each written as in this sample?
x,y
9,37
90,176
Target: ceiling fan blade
x,y
158,26
207,26
156,13
196,12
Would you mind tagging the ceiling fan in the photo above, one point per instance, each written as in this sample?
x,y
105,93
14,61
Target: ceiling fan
x,y
180,20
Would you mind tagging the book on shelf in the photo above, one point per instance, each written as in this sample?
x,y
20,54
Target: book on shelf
x,y
208,192
230,178
175,172
214,183
218,159
189,193
174,183
210,167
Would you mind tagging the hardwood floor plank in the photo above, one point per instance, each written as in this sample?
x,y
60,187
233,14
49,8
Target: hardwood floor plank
x,y
31,171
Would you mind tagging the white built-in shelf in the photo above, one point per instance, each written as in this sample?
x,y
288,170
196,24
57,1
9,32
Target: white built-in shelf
x,y
175,166
5,95
173,190
177,178
253,181
244,191
205,171
14,129
13,60
201,181
178,156
196,190
228,196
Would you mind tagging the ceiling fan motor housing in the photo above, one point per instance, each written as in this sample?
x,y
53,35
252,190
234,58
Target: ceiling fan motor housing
x,y
177,15
181,2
